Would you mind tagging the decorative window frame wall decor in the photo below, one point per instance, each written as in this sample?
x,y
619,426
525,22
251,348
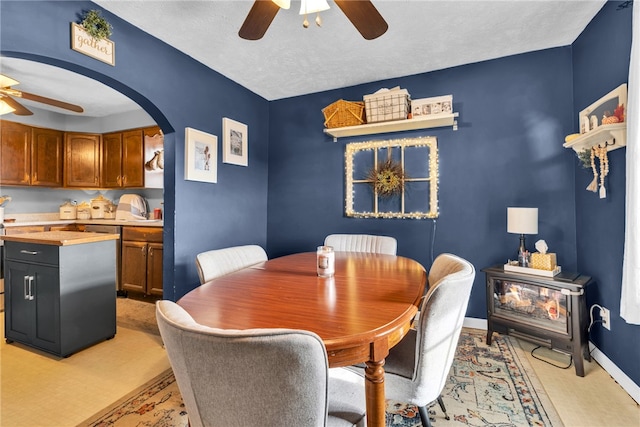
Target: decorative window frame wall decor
x,y
414,163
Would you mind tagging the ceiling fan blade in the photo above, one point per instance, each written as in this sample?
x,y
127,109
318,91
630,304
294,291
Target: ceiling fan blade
x,y
53,102
258,20
20,109
365,17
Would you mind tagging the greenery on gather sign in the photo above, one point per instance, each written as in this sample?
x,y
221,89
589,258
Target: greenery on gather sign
x,y
96,25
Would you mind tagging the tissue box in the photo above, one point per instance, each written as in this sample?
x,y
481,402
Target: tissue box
x,y
543,261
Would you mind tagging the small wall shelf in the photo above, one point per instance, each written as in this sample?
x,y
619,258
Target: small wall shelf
x,y
425,122
613,136
610,135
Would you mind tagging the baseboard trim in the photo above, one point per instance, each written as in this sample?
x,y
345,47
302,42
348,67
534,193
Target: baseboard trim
x,y
620,377
470,322
616,373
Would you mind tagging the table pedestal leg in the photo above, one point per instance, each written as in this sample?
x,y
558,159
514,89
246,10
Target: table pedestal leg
x,y
374,390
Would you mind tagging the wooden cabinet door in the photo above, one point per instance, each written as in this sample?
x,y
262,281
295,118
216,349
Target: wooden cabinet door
x,y
112,160
46,157
82,160
15,153
134,266
154,269
132,159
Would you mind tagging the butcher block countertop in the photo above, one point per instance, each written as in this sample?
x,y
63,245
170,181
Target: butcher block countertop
x,y
60,238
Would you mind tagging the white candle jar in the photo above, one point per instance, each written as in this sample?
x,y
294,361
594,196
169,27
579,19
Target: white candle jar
x,y
326,261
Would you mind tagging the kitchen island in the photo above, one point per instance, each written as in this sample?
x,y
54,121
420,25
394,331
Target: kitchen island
x,y
60,289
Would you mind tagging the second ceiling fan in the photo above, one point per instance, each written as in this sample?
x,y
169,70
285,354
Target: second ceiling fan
x,y
362,14
8,93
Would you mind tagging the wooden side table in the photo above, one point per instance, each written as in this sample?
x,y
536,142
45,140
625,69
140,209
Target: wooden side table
x,y
548,311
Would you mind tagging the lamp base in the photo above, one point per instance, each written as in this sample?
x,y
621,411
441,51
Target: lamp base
x,y
523,254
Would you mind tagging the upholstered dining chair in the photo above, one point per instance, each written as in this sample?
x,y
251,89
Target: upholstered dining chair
x,y
362,243
257,377
218,262
417,368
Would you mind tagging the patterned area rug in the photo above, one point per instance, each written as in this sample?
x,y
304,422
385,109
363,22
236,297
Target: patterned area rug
x,y
488,386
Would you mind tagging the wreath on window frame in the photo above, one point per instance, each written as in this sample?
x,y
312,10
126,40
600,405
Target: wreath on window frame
x,y
96,25
387,178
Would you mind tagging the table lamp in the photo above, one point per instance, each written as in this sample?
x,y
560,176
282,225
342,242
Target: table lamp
x,y
522,221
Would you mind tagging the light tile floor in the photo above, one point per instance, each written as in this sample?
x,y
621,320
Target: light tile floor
x,y
41,390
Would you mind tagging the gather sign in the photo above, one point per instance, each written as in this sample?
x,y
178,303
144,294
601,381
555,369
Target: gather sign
x,y
103,50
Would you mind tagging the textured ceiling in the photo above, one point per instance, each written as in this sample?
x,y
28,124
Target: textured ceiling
x,y
290,60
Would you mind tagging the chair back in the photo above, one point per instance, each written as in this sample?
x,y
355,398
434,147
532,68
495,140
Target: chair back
x,y
362,243
255,377
218,262
439,326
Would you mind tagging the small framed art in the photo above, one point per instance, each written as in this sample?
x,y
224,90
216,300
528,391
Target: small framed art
x,y
235,148
201,156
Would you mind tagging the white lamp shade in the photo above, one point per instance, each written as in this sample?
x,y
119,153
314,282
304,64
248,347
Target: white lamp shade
x,y
522,220
313,6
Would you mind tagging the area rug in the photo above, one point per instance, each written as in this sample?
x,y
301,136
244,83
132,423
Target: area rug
x,y
487,386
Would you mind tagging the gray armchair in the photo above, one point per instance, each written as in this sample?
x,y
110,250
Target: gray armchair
x,y
218,262
257,377
416,370
362,243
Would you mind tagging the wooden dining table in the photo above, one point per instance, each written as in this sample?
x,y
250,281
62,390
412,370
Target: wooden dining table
x,y
360,313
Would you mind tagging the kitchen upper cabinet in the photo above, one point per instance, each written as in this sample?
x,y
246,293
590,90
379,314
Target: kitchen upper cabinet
x,y
82,160
15,154
30,155
46,157
122,159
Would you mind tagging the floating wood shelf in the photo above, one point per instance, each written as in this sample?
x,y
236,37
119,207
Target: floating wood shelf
x,y
425,122
613,136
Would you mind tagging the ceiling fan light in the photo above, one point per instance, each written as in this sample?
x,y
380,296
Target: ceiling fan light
x,y
313,6
5,108
283,4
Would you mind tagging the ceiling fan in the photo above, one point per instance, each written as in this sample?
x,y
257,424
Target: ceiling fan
x,y
7,94
362,14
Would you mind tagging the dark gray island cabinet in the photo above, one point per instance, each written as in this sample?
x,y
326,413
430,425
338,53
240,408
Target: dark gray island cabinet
x,y
60,290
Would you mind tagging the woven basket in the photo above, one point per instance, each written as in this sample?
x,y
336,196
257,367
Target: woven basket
x,y
343,113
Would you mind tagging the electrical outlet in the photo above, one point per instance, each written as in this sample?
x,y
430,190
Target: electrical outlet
x,y
606,320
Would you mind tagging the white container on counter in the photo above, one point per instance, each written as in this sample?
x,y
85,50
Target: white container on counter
x,y
84,211
68,211
99,206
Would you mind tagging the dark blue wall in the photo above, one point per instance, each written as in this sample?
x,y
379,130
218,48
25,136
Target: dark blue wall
x,y
514,114
177,92
600,64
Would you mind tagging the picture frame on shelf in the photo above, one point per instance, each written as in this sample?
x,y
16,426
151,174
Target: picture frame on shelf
x,y
235,142
201,156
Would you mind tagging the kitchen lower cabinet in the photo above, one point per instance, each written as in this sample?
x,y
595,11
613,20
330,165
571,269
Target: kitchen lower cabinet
x,y
60,299
142,253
